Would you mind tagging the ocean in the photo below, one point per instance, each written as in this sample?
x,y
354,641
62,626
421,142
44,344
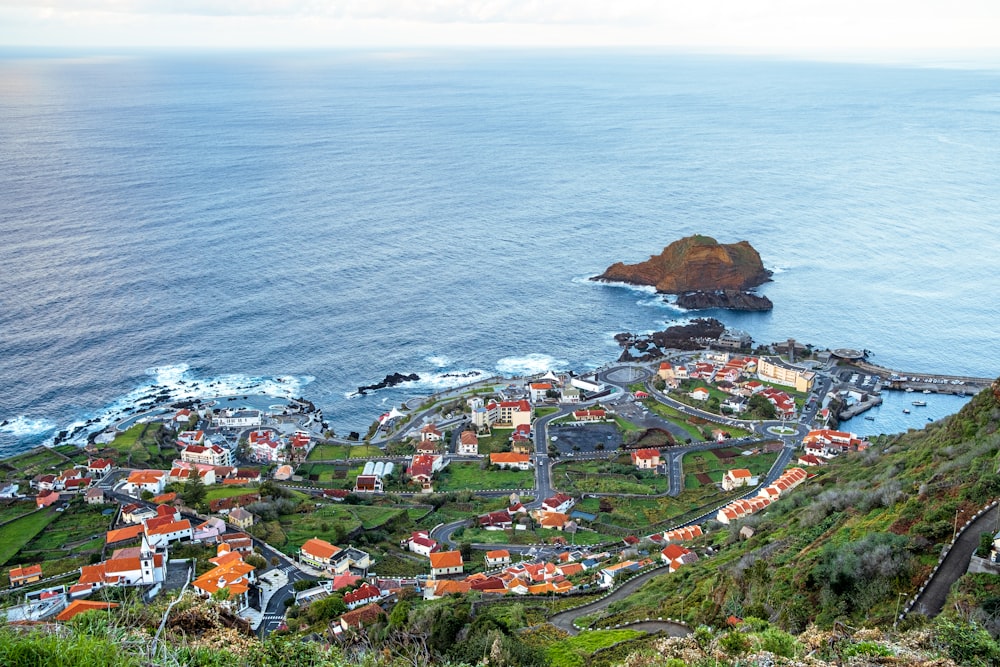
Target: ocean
x,y
302,224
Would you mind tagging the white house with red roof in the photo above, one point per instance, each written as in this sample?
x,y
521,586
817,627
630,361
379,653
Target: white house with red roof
x,y
497,558
185,438
510,460
558,503
699,394
646,459
145,480
175,531
368,484
468,443
421,543
590,415
676,556
364,594
733,479
446,562
182,416
430,433
810,460
99,467
537,391
423,466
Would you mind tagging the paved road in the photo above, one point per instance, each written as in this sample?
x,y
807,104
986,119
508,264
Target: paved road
x,y
565,619
931,601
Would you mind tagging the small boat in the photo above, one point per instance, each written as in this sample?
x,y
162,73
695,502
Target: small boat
x,y
930,419
920,403
871,419
927,391
909,390
906,411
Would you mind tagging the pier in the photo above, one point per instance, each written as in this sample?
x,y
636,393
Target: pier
x,y
938,384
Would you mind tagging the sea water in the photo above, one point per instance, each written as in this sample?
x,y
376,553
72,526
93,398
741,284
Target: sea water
x,y
302,224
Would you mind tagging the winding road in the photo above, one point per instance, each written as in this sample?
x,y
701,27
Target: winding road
x,y
564,619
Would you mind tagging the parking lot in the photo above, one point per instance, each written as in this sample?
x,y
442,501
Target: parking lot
x,y
583,438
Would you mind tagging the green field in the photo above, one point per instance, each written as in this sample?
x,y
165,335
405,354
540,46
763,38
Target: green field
x,y
497,441
618,476
35,462
228,491
328,453
19,532
715,467
13,510
71,533
462,476
480,536
301,527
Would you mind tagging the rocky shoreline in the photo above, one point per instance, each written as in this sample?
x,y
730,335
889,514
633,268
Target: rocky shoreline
x,y
691,336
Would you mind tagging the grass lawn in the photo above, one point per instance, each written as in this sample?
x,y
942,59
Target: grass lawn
x,y
365,452
328,453
497,441
541,412
228,491
19,532
625,425
462,476
15,509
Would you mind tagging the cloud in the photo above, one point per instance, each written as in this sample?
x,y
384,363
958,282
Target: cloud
x,y
769,26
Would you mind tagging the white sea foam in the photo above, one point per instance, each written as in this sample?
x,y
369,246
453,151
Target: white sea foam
x,y
176,382
530,364
438,360
24,427
448,379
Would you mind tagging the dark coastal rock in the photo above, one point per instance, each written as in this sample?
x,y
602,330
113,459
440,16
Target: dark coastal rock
x,y
691,336
726,299
389,381
694,263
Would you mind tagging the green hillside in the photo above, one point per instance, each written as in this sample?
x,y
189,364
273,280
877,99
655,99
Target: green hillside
x,y
849,543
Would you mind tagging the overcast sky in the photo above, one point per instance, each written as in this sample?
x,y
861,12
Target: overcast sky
x,y
756,26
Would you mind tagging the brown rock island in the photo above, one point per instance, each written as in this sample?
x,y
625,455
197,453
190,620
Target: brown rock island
x,y
702,272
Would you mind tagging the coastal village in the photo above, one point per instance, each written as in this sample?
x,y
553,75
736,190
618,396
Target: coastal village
x,y
555,486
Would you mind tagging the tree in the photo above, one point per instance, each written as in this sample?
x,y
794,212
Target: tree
x,y
759,407
194,491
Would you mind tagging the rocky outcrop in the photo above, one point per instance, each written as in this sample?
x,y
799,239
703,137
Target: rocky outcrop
x,y
389,381
691,336
727,299
694,264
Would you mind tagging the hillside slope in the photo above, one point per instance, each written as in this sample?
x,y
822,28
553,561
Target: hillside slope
x,y
849,545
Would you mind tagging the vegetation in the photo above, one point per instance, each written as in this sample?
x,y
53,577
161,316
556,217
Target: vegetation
x,y
17,533
845,545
